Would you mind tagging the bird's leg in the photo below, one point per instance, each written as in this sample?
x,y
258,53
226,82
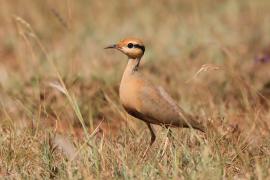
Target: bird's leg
x,y
153,138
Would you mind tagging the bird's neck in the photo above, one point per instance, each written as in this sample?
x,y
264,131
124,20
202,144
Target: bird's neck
x,y
130,71
132,66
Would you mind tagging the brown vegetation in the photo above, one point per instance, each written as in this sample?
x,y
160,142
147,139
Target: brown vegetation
x,y
55,78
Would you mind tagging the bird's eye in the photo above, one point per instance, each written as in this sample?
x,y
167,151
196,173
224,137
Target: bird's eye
x,y
130,45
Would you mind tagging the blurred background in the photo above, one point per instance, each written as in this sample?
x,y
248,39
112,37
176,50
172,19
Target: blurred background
x,y
45,42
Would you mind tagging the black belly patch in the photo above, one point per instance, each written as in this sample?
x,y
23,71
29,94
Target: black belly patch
x,y
134,113
138,115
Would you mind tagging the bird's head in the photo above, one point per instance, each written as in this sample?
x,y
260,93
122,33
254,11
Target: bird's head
x,y
132,47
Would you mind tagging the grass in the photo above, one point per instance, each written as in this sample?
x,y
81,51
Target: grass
x,y
56,81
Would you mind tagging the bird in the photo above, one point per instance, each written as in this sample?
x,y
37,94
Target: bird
x,y
145,101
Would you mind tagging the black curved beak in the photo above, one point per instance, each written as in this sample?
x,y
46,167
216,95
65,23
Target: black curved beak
x,y
114,46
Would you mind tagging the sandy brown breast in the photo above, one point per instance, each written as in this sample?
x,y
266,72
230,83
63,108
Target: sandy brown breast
x,y
129,93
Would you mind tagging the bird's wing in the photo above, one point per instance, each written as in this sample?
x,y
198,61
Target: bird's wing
x,y
167,97
170,100
188,120
158,105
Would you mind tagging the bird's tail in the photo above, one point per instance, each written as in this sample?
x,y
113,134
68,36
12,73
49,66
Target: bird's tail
x,y
195,124
198,126
191,121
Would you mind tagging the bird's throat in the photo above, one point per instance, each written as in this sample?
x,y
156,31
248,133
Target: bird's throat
x,y
133,65
130,71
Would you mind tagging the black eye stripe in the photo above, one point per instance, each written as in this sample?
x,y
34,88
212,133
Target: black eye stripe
x,y
140,47
130,45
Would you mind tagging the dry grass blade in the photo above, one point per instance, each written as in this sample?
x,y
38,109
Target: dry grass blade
x,y
58,87
96,130
204,68
59,18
